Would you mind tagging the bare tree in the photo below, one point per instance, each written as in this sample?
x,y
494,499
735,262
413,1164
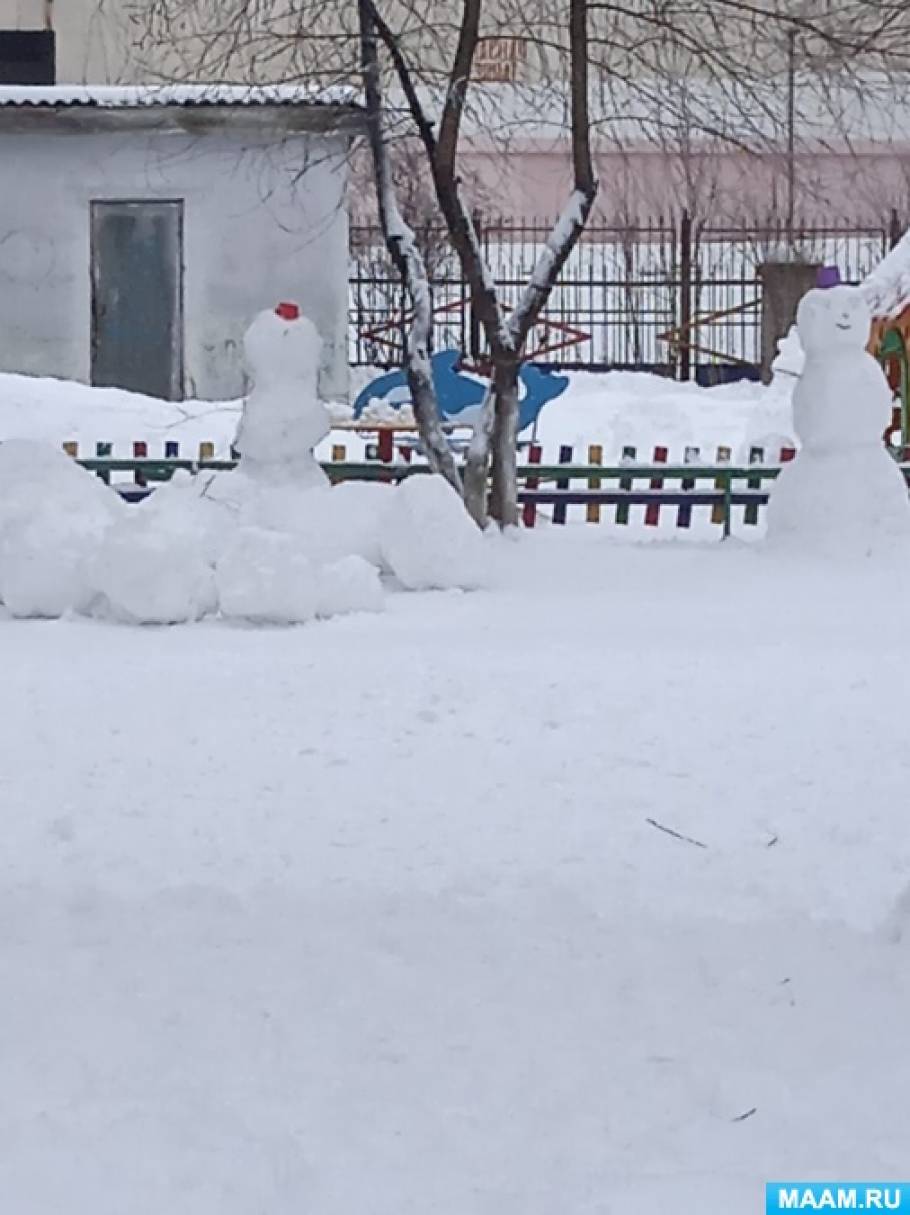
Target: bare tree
x,y
408,259
751,75
506,332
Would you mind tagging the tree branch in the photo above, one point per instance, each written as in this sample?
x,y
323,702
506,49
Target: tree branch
x,y
462,65
405,77
570,225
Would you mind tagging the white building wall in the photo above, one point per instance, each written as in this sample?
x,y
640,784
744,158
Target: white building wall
x,y
262,222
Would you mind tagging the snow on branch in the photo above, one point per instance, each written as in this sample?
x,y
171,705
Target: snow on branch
x,y
552,258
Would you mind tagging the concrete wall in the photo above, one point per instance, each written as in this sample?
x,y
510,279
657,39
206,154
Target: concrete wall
x,y
253,235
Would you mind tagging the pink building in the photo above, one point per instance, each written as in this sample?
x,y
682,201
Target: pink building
x,y
724,158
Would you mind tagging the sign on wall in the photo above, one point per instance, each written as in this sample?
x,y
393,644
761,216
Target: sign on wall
x,y
499,60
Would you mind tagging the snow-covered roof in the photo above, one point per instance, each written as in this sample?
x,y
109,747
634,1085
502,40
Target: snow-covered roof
x,y
887,288
112,97
196,107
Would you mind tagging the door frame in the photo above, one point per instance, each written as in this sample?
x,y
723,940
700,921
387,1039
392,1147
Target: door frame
x,y
178,377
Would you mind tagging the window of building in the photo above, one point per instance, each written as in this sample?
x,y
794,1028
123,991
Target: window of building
x,y
28,57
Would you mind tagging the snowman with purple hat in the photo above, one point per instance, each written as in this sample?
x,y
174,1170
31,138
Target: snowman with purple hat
x,y
844,495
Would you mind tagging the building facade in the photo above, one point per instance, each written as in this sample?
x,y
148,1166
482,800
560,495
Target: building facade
x,y
666,136
146,228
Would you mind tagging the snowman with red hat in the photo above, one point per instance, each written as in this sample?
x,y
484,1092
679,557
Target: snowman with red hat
x,y
283,418
284,553
844,494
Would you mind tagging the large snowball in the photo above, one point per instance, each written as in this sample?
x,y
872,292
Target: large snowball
x,y
52,517
348,520
145,573
279,350
264,578
183,507
841,505
349,585
833,319
428,540
328,524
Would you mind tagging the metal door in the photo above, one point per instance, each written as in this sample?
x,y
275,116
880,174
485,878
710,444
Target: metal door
x,y
137,297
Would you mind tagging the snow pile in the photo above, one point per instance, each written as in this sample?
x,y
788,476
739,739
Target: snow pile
x,y
56,411
844,496
52,517
620,409
428,540
789,361
385,412
270,542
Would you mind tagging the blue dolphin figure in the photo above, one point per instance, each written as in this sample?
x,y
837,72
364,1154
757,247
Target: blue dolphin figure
x,y
540,387
461,397
453,391
536,387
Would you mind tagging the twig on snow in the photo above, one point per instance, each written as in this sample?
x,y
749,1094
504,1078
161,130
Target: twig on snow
x,y
687,839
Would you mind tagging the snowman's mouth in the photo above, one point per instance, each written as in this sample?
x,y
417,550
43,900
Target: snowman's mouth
x,y
843,325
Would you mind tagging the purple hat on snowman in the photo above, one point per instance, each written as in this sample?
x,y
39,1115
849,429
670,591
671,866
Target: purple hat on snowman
x,y
828,276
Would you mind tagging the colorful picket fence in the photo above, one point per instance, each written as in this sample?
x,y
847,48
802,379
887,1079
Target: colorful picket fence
x,y
656,493
657,486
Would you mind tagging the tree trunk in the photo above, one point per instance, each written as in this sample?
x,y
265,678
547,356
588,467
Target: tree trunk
x,y
426,414
477,463
504,491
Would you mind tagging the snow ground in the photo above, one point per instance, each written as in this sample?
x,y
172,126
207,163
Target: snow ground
x,y
368,916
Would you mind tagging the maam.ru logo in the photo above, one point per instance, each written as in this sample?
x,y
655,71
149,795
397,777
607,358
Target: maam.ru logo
x,y
837,1196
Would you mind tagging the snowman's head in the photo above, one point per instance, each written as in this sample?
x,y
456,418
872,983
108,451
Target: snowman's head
x,y
830,319
281,347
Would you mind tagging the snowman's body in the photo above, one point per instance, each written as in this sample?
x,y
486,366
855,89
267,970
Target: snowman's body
x,y
844,494
283,418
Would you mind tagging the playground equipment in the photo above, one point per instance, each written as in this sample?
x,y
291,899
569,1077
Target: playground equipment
x,y
461,395
889,345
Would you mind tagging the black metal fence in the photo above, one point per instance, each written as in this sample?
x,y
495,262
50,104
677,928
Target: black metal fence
x,y
675,296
